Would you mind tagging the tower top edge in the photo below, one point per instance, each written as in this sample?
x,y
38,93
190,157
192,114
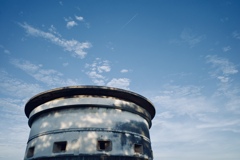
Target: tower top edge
x,y
89,90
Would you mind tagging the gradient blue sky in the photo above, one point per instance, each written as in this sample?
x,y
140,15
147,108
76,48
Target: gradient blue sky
x,y
182,55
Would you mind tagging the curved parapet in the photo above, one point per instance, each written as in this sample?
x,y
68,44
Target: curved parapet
x,y
86,122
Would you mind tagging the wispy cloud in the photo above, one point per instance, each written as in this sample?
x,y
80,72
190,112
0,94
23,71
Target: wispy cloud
x,y
65,64
180,139
6,51
47,76
124,71
13,122
17,88
186,116
119,83
236,35
223,124
13,125
74,46
226,49
192,40
97,69
71,24
175,132
79,18
223,68
165,115
184,100
82,20
53,30
189,38
234,102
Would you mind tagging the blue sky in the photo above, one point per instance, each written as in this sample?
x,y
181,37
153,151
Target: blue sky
x,y
182,55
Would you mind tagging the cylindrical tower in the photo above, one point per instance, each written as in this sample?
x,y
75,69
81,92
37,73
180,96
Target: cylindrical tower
x,y
89,123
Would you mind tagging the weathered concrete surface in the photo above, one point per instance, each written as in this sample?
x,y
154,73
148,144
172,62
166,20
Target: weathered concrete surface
x,y
91,125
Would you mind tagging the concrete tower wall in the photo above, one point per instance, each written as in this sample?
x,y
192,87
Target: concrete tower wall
x,y
91,125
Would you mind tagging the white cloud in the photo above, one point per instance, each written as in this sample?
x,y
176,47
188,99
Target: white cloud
x,y
188,37
47,76
184,105
26,65
223,68
124,71
77,48
223,79
6,51
71,24
96,72
175,132
165,115
97,69
11,105
53,30
223,124
99,82
185,100
197,122
104,67
79,18
234,103
119,83
95,75
185,139
226,49
13,125
194,121
17,88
